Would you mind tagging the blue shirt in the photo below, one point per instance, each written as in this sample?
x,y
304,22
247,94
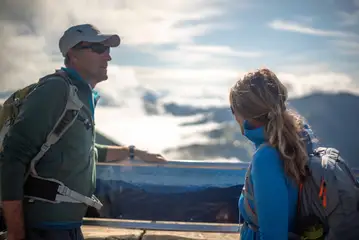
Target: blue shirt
x,y
275,193
95,96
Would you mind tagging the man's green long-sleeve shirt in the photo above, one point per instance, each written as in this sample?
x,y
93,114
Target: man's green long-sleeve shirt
x,y
72,160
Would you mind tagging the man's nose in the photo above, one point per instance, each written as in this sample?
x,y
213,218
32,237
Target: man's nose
x,y
106,55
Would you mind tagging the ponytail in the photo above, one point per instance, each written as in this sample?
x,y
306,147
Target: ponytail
x,y
283,130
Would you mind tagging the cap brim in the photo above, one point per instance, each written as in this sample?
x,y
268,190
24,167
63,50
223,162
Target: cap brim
x,y
111,40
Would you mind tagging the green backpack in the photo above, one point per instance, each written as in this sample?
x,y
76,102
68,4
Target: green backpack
x,y
8,115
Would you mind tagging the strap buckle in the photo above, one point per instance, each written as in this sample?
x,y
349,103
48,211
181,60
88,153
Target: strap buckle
x,y
45,147
68,195
63,190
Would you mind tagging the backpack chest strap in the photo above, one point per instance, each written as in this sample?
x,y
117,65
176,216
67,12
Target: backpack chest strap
x,y
248,195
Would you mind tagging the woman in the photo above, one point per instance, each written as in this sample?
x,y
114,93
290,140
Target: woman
x,y
268,207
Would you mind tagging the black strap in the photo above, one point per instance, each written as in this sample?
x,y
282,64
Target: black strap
x,y
41,188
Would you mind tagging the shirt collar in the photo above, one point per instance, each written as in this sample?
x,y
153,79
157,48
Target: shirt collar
x,y
76,76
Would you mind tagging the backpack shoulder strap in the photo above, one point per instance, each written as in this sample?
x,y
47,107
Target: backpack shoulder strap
x,y
248,194
65,121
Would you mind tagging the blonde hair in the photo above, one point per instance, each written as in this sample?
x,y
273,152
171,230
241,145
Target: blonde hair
x,y
261,96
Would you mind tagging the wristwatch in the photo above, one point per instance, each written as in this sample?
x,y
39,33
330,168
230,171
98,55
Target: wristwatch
x,y
131,150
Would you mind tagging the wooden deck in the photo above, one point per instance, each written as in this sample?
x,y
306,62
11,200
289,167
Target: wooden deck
x,y
99,233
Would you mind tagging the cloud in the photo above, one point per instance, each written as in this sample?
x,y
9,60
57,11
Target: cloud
x,y
206,86
350,18
300,28
194,87
305,18
307,68
321,81
197,55
29,32
347,47
137,21
198,76
218,50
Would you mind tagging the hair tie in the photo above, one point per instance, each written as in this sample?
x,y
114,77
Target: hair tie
x,y
271,115
277,111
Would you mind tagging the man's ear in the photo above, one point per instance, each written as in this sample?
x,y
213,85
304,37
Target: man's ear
x,y
73,55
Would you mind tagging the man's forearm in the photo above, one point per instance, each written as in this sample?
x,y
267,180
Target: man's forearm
x,y
110,153
117,153
14,219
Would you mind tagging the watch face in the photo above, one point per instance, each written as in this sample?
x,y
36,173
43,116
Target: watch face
x,y
132,151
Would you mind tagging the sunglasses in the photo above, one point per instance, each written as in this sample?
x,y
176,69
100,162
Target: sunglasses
x,y
232,110
94,47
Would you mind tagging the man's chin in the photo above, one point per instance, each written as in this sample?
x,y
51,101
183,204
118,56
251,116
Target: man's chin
x,y
102,78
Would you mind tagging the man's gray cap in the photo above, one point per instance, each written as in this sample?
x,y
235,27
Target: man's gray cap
x,y
86,33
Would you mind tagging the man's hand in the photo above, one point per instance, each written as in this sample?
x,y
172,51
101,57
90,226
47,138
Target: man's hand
x,y
13,215
10,236
149,157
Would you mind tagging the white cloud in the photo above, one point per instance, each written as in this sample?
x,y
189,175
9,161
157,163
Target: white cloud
x,y
201,87
305,18
29,49
155,133
190,55
326,81
301,68
300,28
350,18
32,36
139,22
23,58
211,86
218,50
196,76
347,47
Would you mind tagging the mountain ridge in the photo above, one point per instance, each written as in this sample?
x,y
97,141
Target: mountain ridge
x,y
330,116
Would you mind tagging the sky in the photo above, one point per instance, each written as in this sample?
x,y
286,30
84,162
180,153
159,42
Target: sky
x,y
203,43
193,49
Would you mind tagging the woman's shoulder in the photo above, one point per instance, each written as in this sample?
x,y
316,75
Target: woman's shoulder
x,y
265,149
266,156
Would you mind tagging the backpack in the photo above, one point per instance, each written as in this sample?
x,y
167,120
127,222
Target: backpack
x,y
12,105
33,182
328,199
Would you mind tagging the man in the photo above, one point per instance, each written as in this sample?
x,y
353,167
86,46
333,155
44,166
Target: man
x,y
72,159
